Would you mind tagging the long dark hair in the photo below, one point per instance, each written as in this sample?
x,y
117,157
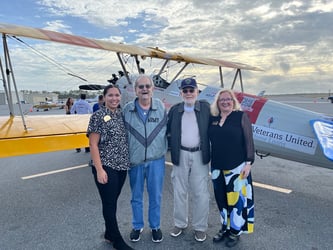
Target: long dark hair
x,y
68,102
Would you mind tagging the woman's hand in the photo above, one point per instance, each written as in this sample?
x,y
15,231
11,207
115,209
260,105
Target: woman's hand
x,y
102,176
246,171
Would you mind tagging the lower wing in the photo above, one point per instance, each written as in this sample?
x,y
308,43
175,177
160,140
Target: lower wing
x,y
42,134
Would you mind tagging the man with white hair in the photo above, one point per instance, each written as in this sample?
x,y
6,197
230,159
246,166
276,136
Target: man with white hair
x,y
190,154
146,121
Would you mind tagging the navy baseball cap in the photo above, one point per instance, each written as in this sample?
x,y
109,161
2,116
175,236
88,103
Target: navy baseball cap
x,y
188,83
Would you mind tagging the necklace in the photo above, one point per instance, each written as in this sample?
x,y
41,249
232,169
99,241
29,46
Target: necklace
x,y
221,122
223,119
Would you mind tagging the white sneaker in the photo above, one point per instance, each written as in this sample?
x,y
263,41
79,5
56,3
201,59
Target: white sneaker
x,y
176,231
200,236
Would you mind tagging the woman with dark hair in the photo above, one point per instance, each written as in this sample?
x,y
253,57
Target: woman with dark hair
x,y
68,105
110,160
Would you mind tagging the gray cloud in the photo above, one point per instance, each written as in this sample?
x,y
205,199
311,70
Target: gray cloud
x,y
291,41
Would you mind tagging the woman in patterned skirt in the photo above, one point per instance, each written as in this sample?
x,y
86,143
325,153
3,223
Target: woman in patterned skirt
x,y
230,133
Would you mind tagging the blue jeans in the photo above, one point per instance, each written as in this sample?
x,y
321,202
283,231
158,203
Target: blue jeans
x,y
153,172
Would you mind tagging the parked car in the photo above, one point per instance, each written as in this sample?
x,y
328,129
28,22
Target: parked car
x,y
330,98
45,106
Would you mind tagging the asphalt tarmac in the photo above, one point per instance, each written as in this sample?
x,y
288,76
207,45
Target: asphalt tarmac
x,y
49,201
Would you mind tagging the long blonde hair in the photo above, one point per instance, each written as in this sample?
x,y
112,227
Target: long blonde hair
x,y
214,108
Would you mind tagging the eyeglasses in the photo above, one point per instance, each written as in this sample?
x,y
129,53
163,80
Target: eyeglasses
x,y
225,100
148,86
185,91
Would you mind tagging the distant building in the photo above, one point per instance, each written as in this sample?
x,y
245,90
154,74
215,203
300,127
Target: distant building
x,y
3,98
29,97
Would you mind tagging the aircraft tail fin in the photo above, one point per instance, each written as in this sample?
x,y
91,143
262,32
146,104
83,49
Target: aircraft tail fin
x,y
208,93
261,93
324,132
173,88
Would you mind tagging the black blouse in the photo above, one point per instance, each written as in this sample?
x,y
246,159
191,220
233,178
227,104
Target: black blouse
x,y
232,143
113,145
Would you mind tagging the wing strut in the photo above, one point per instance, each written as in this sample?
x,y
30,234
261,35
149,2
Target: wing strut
x,y
124,68
5,88
221,77
9,72
240,79
137,62
180,71
162,68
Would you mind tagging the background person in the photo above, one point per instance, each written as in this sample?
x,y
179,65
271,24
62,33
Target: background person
x,y
230,133
190,154
110,157
68,105
99,103
146,121
81,107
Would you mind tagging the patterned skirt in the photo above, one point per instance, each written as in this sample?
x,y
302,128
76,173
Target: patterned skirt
x,y
234,197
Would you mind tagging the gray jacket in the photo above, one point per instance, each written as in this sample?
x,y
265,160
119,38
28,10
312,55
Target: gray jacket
x,y
202,112
147,141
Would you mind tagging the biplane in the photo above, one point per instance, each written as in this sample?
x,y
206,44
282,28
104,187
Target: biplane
x,y
279,130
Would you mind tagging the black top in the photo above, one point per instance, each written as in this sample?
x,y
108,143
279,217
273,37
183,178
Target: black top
x,y
113,145
232,143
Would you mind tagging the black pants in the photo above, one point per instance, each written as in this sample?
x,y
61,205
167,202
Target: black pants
x,y
109,194
220,194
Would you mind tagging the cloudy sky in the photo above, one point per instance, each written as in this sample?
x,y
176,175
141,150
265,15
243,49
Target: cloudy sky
x,y
292,41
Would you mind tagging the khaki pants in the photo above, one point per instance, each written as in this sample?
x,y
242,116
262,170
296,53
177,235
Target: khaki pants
x,y
191,178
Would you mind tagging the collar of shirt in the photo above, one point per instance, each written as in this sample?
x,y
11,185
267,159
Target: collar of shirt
x,y
143,113
188,108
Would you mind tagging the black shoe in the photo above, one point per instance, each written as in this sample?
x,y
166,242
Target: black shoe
x,y
106,239
87,150
135,235
120,244
232,240
156,235
78,150
220,236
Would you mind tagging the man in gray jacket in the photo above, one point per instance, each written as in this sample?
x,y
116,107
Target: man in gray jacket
x,y
146,122
190,154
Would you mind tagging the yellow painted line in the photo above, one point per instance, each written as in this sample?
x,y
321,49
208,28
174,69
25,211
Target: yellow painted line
x,y
257,184
53,172
274,188
62,170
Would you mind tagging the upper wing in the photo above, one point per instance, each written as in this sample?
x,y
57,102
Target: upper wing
x,y
158,53
53,36
48,35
